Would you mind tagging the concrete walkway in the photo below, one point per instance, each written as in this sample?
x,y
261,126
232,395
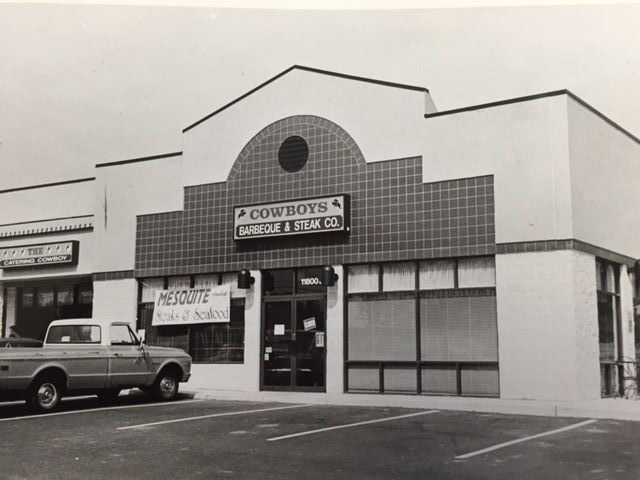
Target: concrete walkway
x,y
612,408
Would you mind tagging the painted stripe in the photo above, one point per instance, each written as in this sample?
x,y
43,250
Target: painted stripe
x,y
337,427
88,410
525,439
213,415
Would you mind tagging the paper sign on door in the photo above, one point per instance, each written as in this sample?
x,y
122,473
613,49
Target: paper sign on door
x,y
319,339
278,329
309,323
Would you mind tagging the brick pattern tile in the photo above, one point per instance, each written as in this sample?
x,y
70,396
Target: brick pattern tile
x,y
394,216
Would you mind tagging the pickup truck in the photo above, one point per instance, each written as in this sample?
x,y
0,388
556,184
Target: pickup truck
x,y
89,356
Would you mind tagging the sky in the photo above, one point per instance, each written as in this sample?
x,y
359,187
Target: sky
x,y
85,84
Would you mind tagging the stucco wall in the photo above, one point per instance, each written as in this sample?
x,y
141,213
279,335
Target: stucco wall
x,y
116,299
241,377
121,193
547,326
524,145
586,320
372,114
49,202
335,334
604,182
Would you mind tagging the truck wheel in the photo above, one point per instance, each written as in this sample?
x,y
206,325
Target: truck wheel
x,y
166,385
44,394
109,396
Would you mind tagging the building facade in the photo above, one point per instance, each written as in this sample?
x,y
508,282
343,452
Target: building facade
x,y
392,248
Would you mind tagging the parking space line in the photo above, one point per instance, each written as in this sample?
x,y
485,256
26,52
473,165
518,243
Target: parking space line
x,y
525,439
117,407
319,430
213,415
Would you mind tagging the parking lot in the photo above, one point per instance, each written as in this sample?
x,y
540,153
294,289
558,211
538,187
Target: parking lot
x,y
133,438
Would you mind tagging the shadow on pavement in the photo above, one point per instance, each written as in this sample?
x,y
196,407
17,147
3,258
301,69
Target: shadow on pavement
x,y
69,404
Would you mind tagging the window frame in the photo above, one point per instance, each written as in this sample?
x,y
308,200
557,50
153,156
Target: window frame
x,y
418,294
180,336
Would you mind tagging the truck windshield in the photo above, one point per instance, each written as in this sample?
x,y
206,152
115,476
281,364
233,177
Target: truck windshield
x,y
74,334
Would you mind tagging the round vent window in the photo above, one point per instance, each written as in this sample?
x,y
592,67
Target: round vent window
x,y
293,154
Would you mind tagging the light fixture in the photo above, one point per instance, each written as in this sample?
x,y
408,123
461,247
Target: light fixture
x,y
245,280
328,276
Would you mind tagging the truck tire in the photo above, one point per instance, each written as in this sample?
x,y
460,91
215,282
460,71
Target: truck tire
x,y
165,387
44,394
109,395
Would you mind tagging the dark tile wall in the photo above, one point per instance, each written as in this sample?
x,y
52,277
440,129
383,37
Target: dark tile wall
x,y
394,216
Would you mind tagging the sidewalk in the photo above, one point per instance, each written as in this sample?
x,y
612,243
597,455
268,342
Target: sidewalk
x,y
610,408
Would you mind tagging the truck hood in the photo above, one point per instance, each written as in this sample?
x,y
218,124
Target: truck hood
x,y
165,351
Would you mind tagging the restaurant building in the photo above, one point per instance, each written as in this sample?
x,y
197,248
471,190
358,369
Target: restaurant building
x,y
332,233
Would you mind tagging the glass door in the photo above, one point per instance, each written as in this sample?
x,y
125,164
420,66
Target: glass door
x,y
310,344
278,344
294,334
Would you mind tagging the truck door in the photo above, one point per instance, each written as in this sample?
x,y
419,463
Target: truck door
x,y
128,367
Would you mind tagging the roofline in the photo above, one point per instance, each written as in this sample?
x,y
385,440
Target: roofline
x,y
536,97
45,185
307,69
140,159
73,217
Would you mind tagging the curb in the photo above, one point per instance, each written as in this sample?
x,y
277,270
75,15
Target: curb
x,y
631,412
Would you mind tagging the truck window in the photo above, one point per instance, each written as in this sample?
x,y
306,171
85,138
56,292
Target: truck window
x,y
121,335
74,334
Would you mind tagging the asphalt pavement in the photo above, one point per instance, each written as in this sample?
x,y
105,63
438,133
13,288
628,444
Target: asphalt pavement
x,y
134,438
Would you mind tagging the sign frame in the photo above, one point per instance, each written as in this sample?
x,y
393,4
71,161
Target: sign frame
x,y
344,229
71,262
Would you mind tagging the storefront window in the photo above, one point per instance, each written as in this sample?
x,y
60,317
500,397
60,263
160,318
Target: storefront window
x,y
363,278
85,294
278,282
149,287
609,327
65,295
437,337
179,282
205,342
382,328
45,297
219,342
437,274
398,276
27,298
208,280
476,272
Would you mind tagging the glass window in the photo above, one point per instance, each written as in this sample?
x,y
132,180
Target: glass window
x,y
85,294
363,278
122,335
149,287
277,282
398,276
459,329
219,342
476,272
606,329
179,282
45,297
208,280
311,277
382,328
27,298
437,274
65,295
74,334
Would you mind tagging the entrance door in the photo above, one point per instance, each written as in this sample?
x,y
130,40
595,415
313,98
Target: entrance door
x,y
294,342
